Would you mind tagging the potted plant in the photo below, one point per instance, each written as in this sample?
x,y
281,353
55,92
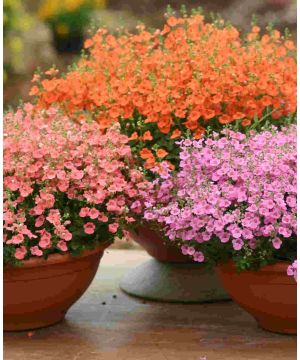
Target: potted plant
x,y
67,192
188,76
68,20
232,203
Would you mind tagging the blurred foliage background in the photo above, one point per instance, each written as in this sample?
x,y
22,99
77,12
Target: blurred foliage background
x,y
40,33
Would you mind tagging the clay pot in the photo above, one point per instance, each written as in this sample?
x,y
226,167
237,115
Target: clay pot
x,y
155,245
40,292
267,294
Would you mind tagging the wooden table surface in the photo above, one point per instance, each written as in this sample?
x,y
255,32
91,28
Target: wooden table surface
x,y
106,324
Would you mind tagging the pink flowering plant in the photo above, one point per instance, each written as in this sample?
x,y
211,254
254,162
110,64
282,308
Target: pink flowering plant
x,y
67,187
233,197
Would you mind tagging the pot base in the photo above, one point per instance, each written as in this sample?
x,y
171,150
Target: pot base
x,y
173,282
35,321
268,294
284,327
40,294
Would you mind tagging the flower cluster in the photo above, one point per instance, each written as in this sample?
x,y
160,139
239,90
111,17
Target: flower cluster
x,y
65,187
234,196
187,76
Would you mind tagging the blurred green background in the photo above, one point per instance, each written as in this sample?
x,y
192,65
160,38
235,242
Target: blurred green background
x,y
40,33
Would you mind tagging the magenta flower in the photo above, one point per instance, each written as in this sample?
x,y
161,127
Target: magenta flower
x,y
233,194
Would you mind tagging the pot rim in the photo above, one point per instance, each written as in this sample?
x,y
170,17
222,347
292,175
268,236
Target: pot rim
x,y
278,267
57,258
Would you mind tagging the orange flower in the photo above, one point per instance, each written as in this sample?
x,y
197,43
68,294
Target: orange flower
x,y
88,43
35,78
161,153
276,34
289,45
147,136
51,72
149,164
225,119
255,29
198,134
134,136
146,154
159,84
246,122
238,115
172,21
49,85
175,134
34,91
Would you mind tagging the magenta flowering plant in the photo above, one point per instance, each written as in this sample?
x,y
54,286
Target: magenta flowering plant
x,y
233,197
67,187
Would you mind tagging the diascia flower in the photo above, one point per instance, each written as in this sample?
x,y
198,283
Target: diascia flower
x,y
60,178
189,75
234,196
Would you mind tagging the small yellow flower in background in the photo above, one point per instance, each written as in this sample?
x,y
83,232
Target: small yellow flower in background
x,y
16,44
52,8
100,4
62,29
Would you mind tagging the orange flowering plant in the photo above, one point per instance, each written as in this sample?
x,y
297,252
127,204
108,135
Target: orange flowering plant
x,y
188,76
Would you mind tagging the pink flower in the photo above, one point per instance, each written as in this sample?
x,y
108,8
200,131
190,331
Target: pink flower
x,y
63,185
20,253
36,251
224,236
113,227
44,244
38,210
54,217
236,232
84,212
276,243
45,241
8,217
237,244
77,174
66,235
61,175
103,218
62,245
16,239
93,213
184,249
25,190
50,174
39,221
198,256
89,228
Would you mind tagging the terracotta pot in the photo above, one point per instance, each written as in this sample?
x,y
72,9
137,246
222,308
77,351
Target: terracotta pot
x,y
155,246
267,294
40,293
